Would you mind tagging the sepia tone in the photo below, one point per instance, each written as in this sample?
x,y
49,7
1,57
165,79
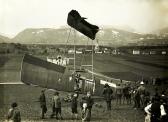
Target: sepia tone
x,y
107,61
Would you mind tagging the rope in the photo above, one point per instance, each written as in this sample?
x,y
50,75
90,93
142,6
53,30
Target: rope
x,y
67,41
83,56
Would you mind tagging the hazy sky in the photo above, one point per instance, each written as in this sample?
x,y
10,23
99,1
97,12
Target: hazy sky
x,y
142,15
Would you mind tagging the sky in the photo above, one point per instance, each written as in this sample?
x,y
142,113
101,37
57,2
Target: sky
x,y
144,16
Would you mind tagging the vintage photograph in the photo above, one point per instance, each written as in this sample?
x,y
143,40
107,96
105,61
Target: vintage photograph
x,y
83,60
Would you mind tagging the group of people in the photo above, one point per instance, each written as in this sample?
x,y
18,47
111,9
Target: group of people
x,y
155,107
86,104
121,94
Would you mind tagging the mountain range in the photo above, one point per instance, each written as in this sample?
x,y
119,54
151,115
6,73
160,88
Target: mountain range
x,y
106,36
4,39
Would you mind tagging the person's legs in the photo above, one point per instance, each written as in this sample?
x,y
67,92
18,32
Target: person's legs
x,y
137,100
108,105
142,100
42,112
130,99
84,114
124,98
59,112
56,113
76,115
120,96
88,114
127,99
53,112
72,115
117,99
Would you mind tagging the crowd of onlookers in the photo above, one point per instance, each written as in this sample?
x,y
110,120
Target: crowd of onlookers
x,y
155,106
86,103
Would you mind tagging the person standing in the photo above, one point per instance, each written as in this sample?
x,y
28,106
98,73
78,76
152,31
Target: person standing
x,y
118,94
164,107
43,106
126,96
87,107
154,110
74,105
141,91
107,93
56,105
14,113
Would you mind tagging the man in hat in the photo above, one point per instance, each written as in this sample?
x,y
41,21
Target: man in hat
x,y
56,105
107,93
14,113
141,92
43,106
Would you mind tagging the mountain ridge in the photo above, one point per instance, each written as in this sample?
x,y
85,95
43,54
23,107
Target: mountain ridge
x,y
107,35
54,36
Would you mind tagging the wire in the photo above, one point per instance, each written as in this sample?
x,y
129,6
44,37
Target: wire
x,y
67,41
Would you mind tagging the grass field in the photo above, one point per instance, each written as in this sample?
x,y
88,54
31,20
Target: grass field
x,y
27,97
128,67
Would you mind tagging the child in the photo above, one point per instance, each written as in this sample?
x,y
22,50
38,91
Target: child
x,y
14,113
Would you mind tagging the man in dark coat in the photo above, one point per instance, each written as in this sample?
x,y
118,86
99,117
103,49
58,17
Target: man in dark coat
x,y
43,106
107,93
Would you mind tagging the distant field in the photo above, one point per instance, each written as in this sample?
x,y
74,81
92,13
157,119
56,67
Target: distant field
x,y
115,66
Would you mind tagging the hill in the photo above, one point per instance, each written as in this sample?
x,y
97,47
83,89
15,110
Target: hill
x,y
4,39
105,36
163,30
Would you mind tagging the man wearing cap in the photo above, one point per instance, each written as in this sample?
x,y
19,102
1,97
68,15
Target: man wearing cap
x,y
43,106
141,91
14,113
107,93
